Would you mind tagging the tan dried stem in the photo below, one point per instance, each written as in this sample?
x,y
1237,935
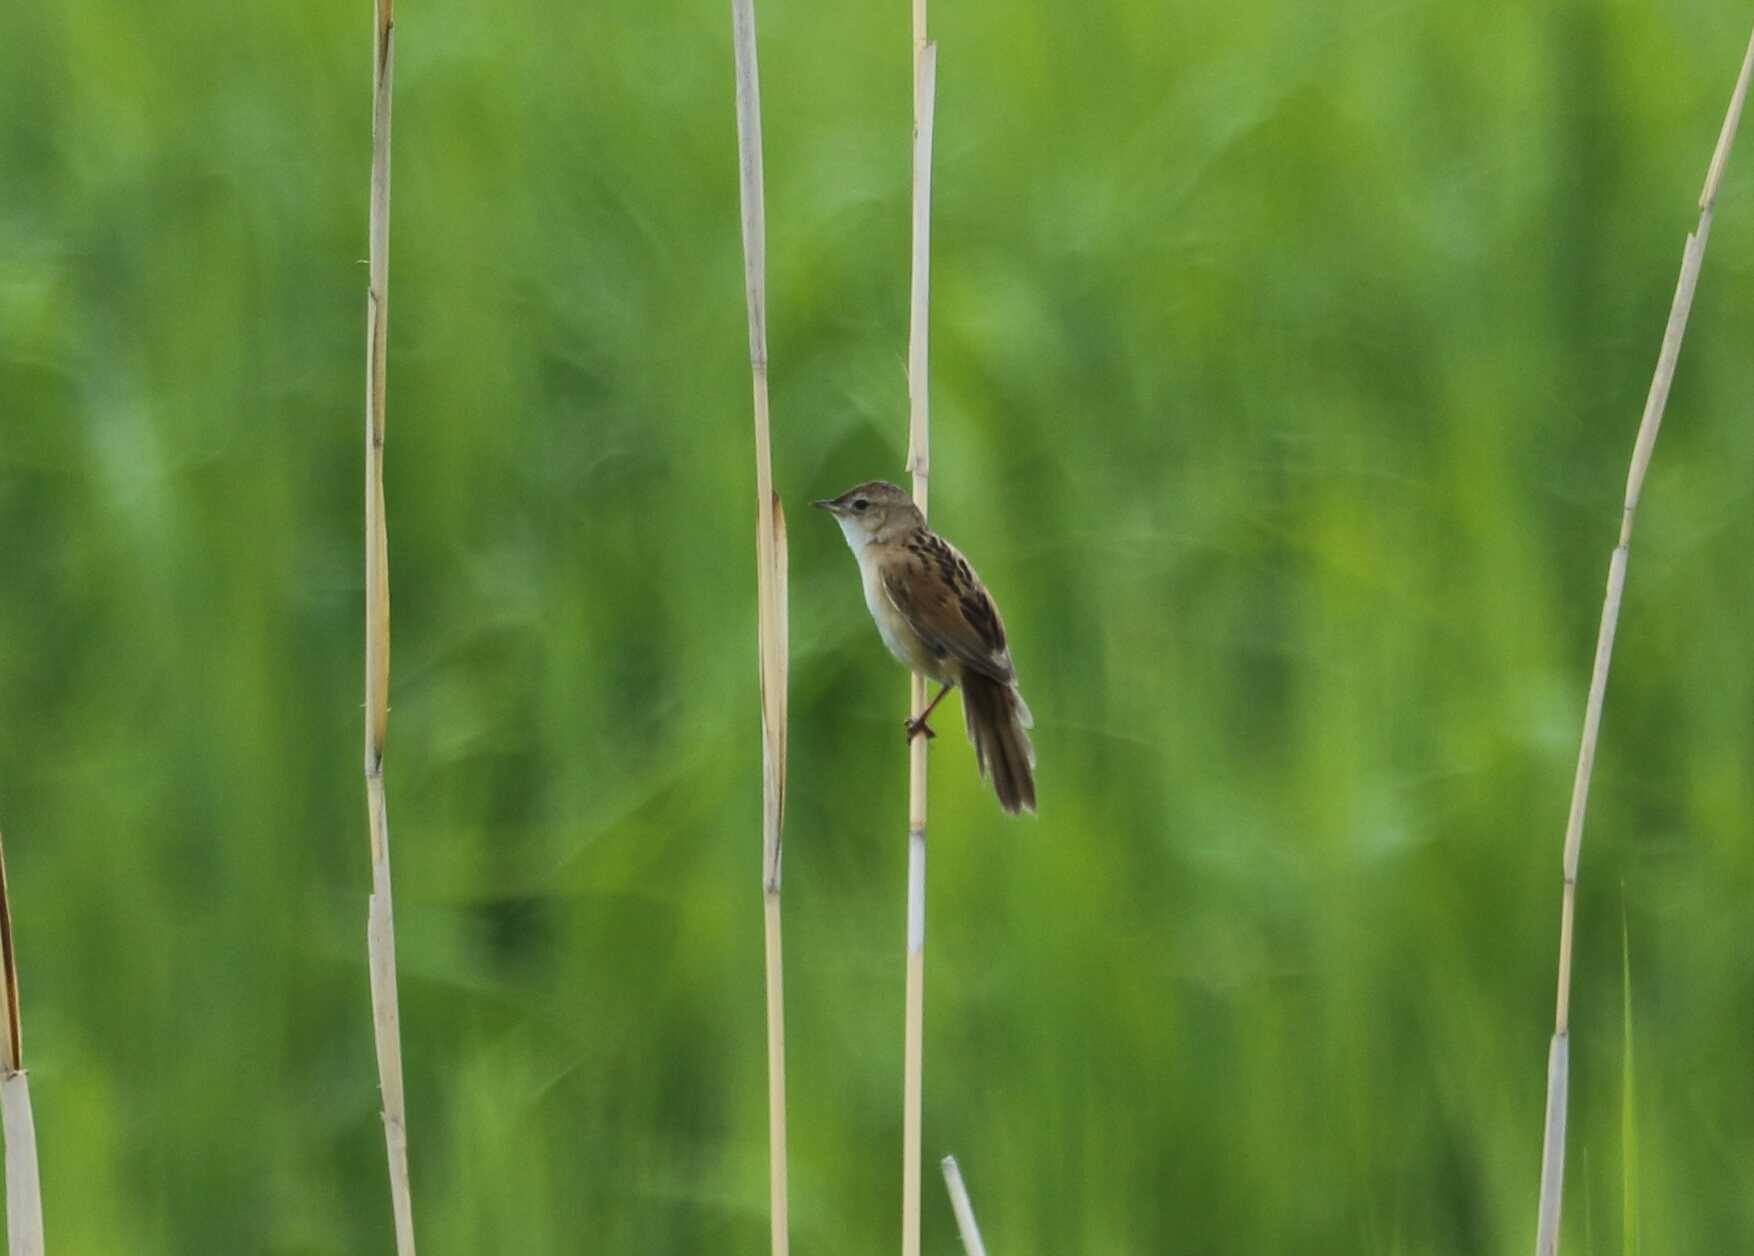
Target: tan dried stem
x,y
963,1207
1558,1054
12,1043
919,463
771,597
24,1192
380,916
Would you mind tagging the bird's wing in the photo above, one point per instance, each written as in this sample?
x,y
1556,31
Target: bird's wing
x,y
935,590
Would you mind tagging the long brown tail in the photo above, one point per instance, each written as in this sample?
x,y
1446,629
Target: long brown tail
x,y
996,717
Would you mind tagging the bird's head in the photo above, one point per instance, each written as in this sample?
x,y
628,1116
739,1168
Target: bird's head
x,y
873,511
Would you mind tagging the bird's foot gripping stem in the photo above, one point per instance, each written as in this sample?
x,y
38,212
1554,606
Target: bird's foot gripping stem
x,y
915,727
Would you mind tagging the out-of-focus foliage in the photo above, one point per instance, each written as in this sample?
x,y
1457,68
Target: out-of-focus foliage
x,y
1286,360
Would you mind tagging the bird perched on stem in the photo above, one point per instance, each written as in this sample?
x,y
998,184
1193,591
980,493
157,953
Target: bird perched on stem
x,y
936,617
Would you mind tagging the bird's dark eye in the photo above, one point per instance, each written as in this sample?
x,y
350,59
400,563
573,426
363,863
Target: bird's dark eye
x,y
860,504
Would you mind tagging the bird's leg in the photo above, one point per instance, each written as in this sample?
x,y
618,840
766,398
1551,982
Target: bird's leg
x,y
916,727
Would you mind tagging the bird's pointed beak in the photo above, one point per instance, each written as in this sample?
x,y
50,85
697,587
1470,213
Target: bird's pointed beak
x,y
825,503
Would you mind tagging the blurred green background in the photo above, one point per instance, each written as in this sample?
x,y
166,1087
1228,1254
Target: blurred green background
x,y
1286,359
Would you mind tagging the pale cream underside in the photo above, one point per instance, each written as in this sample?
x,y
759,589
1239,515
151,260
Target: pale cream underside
x,y
902,640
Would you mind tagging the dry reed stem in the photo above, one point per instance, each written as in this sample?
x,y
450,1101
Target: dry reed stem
x,y
774,671
380,917
1558,1054
24,1191
963,1208
919,463
771,595
12,1041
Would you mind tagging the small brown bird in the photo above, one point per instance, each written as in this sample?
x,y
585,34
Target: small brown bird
x,y
936,617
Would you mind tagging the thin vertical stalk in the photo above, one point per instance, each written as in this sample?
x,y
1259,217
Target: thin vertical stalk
x,y
380,917
1558,1054
770,592
24,1191
963,1208
919,463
